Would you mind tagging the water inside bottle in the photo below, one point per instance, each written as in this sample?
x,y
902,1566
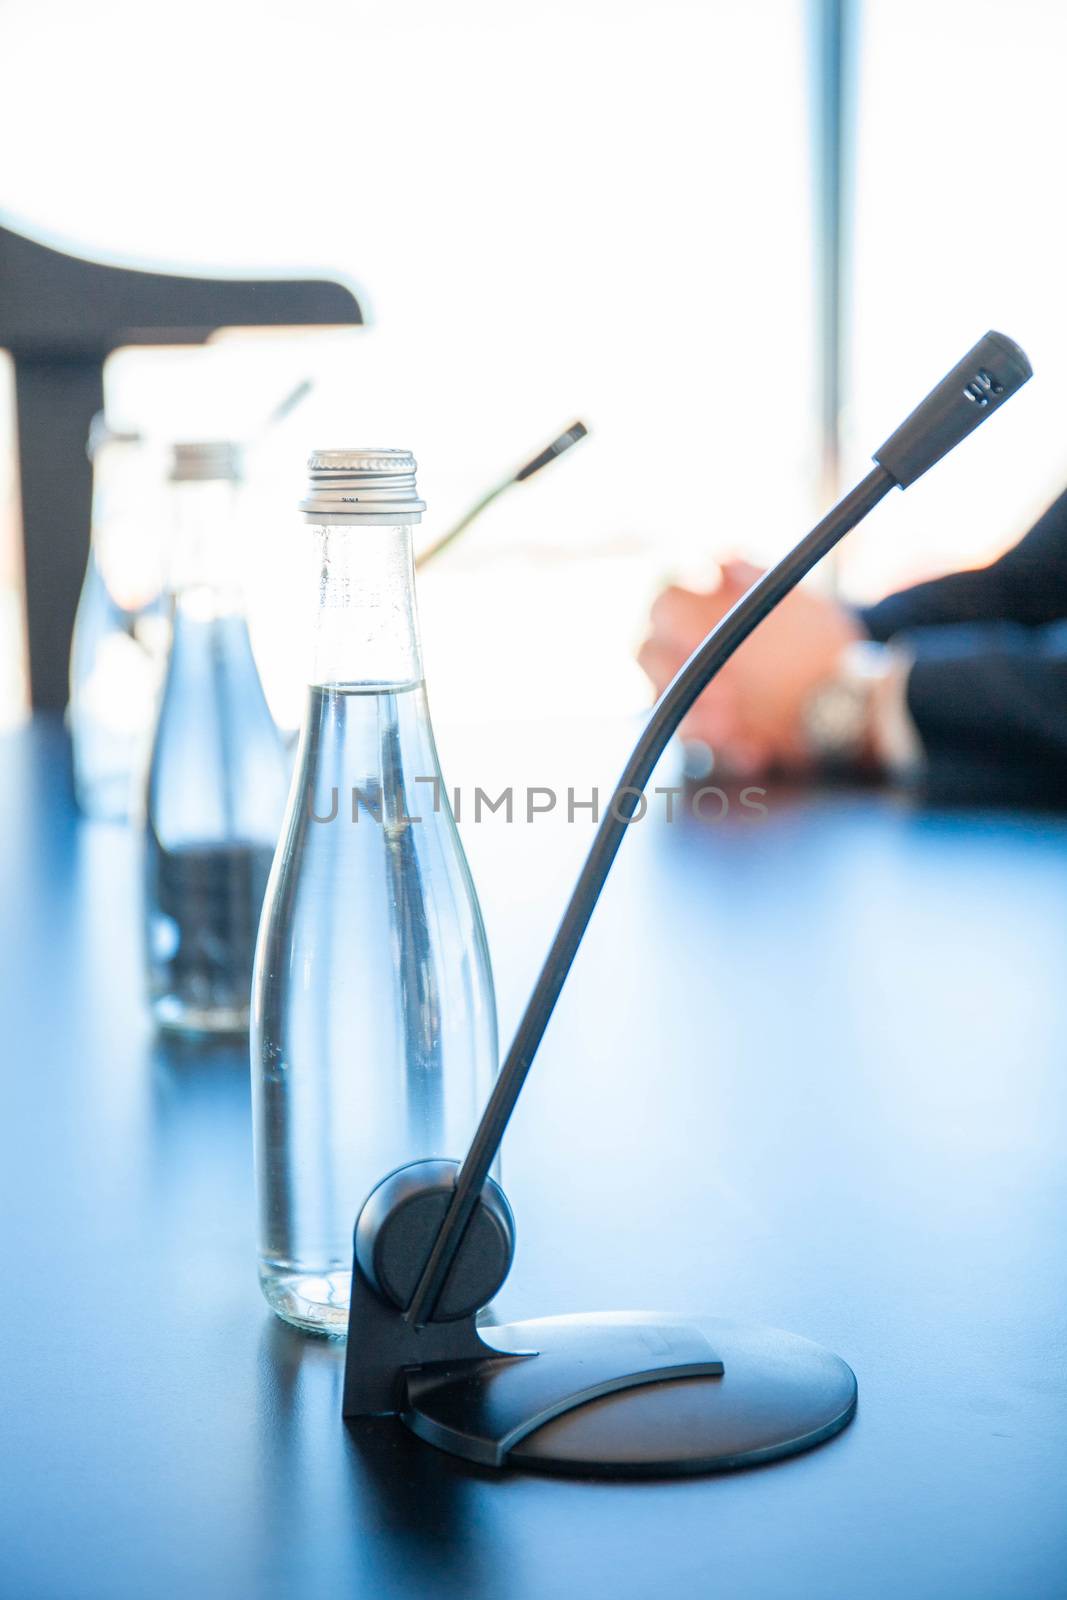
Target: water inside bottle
x,y
204,905
374,1031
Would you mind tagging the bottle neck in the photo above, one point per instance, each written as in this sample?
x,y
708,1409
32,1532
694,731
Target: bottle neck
x,y
367,631
127,537
204,568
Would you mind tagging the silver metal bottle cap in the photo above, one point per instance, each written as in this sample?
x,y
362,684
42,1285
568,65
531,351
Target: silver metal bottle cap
x,y
207,461
375,485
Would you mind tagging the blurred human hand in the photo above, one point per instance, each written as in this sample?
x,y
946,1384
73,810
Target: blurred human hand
x,y
751,714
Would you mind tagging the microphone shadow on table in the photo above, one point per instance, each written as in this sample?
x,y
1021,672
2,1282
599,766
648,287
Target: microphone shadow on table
x,y
424,1522
419,1521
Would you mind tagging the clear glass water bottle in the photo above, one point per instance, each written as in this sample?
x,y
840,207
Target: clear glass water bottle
x,y
374,1021
218,774
117,646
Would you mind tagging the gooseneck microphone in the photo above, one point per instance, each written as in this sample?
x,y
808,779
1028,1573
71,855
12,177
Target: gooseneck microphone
x,y
986,377
562,443
434,1243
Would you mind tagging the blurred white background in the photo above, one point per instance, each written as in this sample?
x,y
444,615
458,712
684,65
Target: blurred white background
x,y
587,209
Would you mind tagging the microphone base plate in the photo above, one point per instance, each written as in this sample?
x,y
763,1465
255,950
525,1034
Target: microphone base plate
x,y
632,1394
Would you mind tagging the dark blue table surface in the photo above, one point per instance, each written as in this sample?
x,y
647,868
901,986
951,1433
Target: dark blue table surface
x,y
810,1070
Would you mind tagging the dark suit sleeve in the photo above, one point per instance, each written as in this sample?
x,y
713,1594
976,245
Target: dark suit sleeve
x,y
987,689
1027,585
989,701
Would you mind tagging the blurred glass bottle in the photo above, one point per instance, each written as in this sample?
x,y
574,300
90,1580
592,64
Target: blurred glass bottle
x,y
218,772
374,1020
119,630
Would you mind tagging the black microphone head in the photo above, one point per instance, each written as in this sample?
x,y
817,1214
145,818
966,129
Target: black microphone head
x,y
975,388
576,431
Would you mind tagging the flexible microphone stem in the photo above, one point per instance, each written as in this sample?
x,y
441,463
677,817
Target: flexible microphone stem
x,y
667,714
979,384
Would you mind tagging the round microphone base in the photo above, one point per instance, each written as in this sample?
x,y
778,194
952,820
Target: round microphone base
x,y
629,1394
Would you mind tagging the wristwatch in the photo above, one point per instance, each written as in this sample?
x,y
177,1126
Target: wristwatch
x,y
837,718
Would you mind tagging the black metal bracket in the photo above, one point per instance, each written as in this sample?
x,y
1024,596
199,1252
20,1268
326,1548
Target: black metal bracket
x,y
61,316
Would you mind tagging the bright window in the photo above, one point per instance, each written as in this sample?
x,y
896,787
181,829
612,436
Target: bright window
x,y
590,208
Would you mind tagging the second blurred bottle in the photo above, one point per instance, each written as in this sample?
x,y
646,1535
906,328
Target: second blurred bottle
x,y
218,774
